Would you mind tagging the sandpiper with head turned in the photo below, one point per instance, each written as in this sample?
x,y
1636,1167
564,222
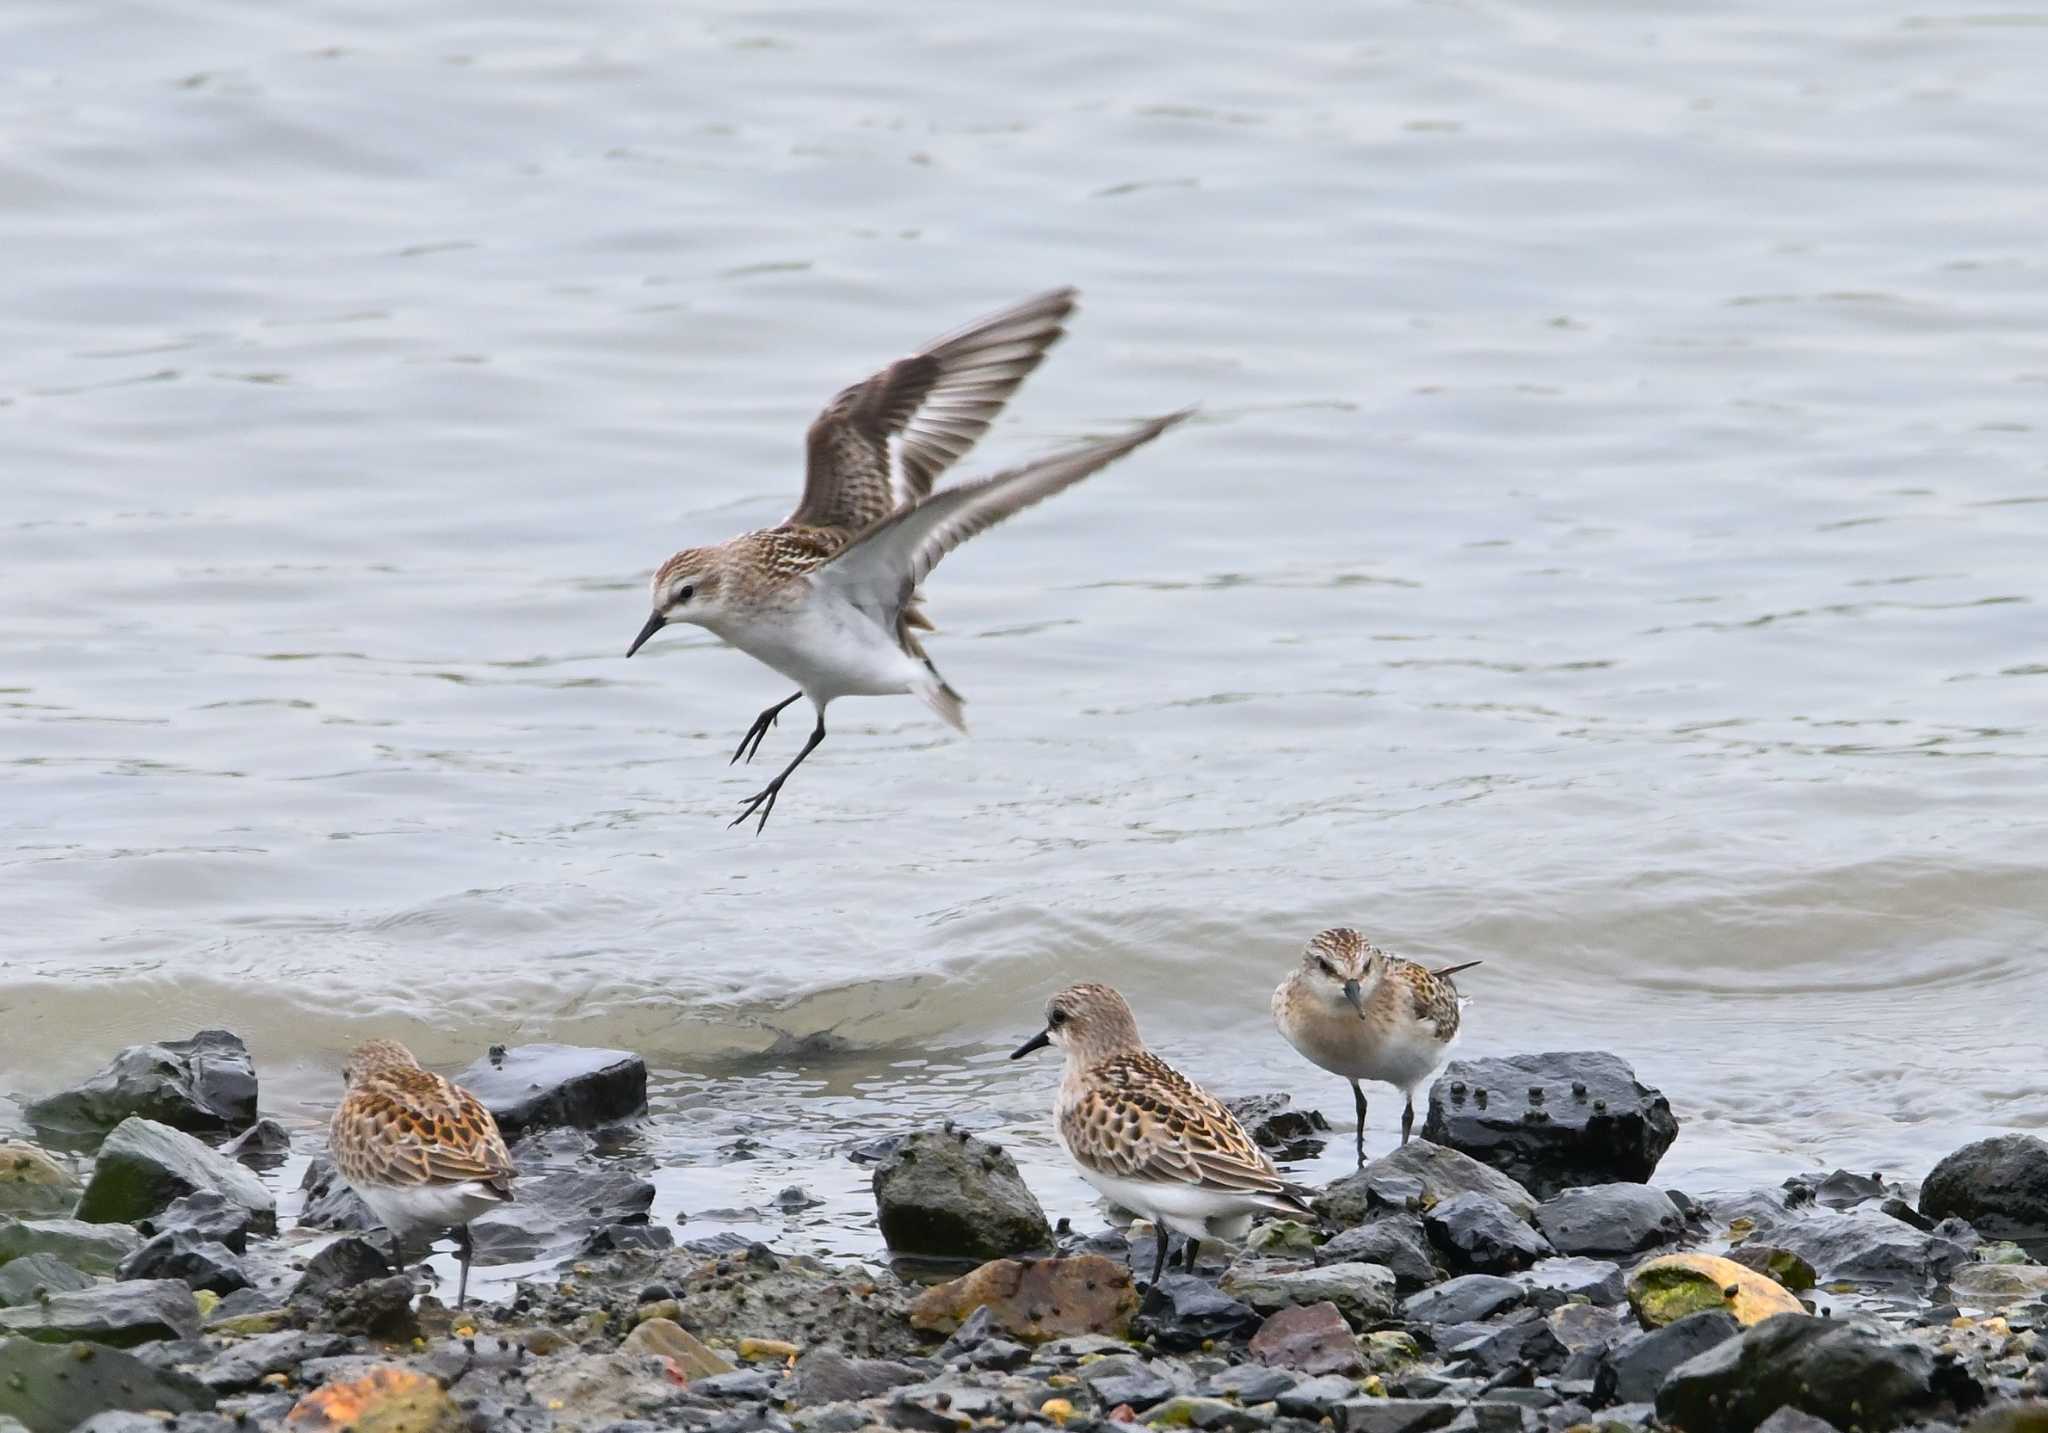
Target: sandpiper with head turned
x,y
423,1152
830,597
1149,1138
1367,1015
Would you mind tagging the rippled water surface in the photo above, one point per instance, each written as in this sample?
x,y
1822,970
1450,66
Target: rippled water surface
x,y
1613,547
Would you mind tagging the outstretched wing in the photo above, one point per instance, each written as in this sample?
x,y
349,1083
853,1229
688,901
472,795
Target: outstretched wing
x,y
880,569
936,403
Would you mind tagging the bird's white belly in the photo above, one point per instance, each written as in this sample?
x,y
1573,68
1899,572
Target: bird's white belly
x,y
828,648
1183,1208
1402,1057
428,1208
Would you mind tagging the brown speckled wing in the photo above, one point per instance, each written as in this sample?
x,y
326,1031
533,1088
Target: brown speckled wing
x,y
1434,1000
412,1127
935,403
1143,1119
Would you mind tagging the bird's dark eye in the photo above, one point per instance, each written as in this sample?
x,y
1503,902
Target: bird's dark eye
x,y
1058,1017
1328,969
685,592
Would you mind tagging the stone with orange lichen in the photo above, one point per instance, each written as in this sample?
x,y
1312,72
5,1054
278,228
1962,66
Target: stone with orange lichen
x,y
384,1400
1035,1300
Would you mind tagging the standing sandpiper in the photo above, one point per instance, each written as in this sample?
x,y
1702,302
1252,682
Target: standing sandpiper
x,y
1145,1135
1366,1015
423,1152
830,598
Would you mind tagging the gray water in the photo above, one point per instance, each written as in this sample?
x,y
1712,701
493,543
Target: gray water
x,y
1613,547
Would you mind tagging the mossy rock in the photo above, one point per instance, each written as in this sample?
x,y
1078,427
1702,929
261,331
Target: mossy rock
x,y
1665,1289
1786,1267
33,1183
1282,1236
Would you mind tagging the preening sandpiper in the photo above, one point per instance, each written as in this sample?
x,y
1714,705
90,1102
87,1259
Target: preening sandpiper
x,y
1366,1015
423,1152
1146,1136
830,597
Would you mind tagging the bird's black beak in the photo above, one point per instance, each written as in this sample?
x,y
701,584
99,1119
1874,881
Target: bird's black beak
x,y
1036,1042
654,624
1355,996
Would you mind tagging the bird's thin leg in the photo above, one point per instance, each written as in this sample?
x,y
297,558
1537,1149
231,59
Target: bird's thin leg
x,y
1159,1259
465,1250
764,799
1189,1251
1358,1098
750,744
1408,1117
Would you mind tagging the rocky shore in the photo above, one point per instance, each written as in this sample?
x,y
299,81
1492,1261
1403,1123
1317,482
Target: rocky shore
x,y
1515,1268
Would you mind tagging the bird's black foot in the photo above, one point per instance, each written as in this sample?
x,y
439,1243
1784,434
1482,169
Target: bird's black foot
x,y
762,801
750,744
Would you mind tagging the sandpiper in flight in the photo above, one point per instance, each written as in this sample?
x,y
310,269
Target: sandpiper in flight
x,y
423,1152
1149,1138
1366,1015
830,598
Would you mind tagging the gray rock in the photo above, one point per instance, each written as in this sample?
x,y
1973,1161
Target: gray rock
x,y
1184,1311
1634,1371
263,1145
1867,1246
1845,1370
557,1211
195,1262
379,1308
121,1315
205,1084
825,1375
2000,1185
1127,1379
143,1167
340,1265
248,1362
1551,1282
1282,1131
1361,1292
1397,1242
1249,1383
1791,1420
23,1279
33,1182
1314,1338
52,1388
1476,1233
207,1214
1608,1219
93,1248
329,1202
1523,1340
750,1383
1554,1120
1844,1190
533,1085
1588,1328
1467,1299
945,1194
1314,1398
1397,1415
1418,1173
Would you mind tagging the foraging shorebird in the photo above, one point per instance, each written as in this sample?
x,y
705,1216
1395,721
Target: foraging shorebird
x,y
1149,1138
830,597
1366,1015
423,1152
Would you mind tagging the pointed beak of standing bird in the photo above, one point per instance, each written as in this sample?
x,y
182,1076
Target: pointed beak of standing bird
x,y
654,624
1036,1042
1351,990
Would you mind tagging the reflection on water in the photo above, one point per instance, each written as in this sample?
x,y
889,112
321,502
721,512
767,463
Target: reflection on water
x,y
1610,548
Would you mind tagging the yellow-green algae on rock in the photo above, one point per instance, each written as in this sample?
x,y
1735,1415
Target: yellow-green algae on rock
x,y
1667,1288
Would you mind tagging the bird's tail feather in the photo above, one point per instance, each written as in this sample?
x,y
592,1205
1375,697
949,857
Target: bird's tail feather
x,y
942,699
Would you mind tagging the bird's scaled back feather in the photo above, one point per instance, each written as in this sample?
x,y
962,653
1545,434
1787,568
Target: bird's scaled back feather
x,y
936,404
881,568
412,1127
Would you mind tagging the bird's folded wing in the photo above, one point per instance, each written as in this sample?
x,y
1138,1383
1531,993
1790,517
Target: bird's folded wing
x,y
428,1141
937,403
879,569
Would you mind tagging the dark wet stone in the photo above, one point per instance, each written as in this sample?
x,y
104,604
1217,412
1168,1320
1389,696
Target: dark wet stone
x,y
1869,1247
1633,1371
2000,1185
52,1388
23,1280
1396,1242
329,1203
206,1084
1523,1340
975,1330
1183,1311
1608,1219
264,1145
1364,1292
121,1315
643,1237
559,1210
345,1262
1314,1398
244,1301
1776,1263
1551,1282
1418,1415
1553,1121
1843,1190
195,1262
245,1363
1417,1174
1478,1234
206,1214
1279,1129
532,1085
1847,1371
1587,1329
1791,1420
93,1248
794,1198
1249,1383
1467,1299
380,1309
1127,1379
144,1167
741,1383
1313,1338
824,1375
945,1194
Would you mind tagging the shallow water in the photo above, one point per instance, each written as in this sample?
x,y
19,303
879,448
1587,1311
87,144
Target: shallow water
x,y
1612,548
